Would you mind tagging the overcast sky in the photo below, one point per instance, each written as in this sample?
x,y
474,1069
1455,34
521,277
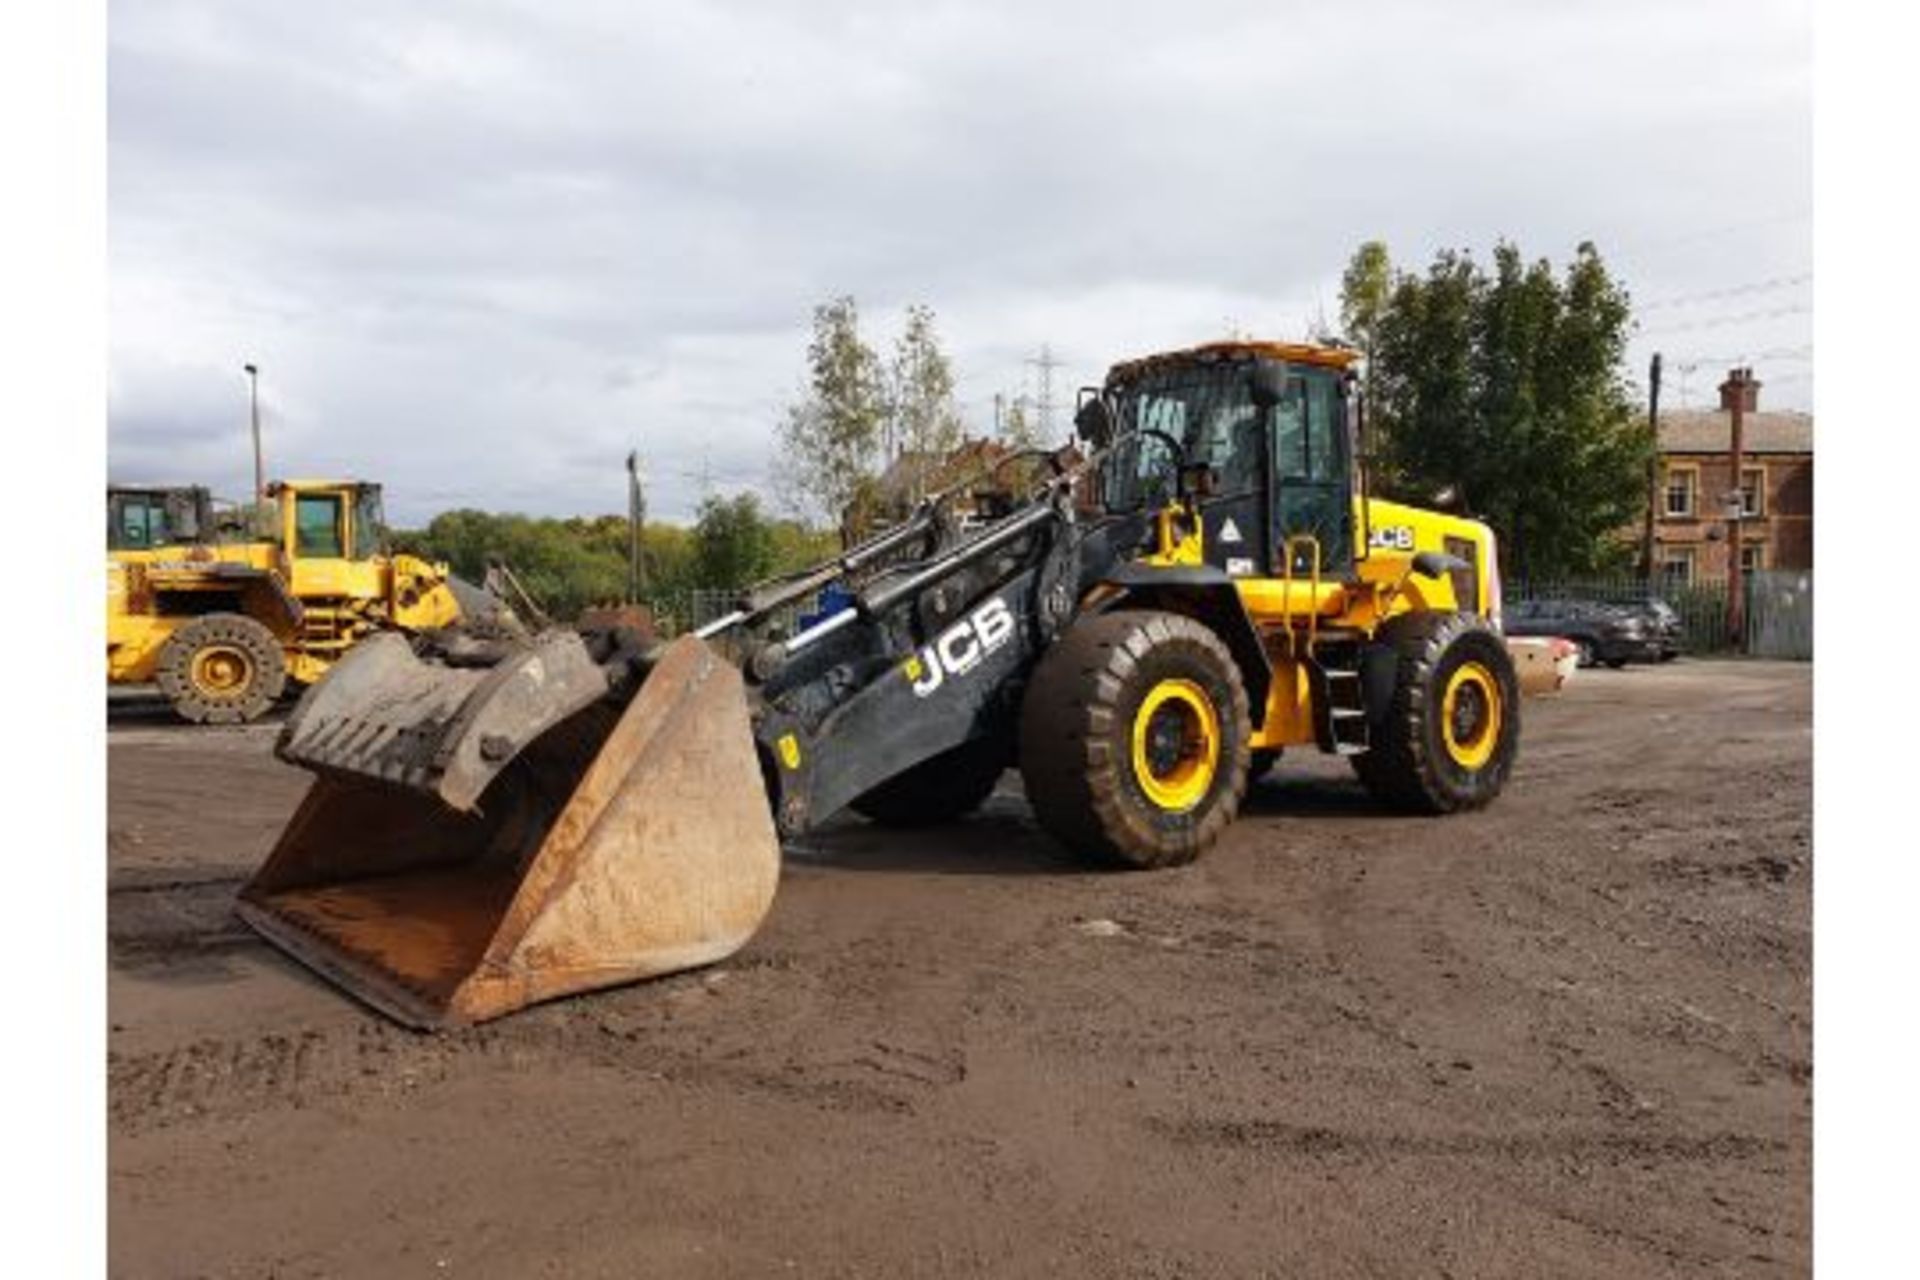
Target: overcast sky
x,y
479,250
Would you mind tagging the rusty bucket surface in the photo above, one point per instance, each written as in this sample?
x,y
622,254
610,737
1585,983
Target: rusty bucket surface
x,y
618,845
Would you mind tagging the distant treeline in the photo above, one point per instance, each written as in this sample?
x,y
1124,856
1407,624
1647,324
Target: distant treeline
x,y
570,564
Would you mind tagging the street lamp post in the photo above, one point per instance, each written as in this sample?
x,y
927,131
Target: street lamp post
x,y
259,465
636,522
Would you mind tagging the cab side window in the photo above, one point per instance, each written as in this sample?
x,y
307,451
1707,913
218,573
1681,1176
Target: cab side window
x,y
1307,431
1290,432
138,524
316,525
133,524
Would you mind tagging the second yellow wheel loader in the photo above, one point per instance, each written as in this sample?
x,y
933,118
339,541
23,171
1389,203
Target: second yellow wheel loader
x,y
221,627
1154,622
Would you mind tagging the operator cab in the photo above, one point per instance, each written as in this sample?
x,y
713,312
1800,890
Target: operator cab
x,y
142,518
330,519
1263,434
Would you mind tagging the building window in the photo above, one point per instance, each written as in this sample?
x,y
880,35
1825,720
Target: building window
x,y
1676,566
1752,559
1682,484
1753,492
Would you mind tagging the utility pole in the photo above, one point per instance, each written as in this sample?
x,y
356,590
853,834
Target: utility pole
x,y
1653,468
1046,362
1739,395
259,463
636,520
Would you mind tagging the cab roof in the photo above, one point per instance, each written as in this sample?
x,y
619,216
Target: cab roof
x,y
1235,350
335,483
114,486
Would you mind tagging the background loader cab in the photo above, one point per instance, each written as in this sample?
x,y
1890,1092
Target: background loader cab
x,y
332,535
143,517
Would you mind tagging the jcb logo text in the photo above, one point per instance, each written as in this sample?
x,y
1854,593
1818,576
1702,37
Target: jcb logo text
x,y
961,647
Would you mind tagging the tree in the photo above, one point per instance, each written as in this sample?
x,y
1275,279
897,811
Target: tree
x,y
1018,430
830,441
1509,388
798,546
733,542
1365,288
557,560
923,420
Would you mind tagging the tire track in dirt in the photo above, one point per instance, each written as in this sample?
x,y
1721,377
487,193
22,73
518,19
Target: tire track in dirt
x,y
640,1031
1608,1147
160,921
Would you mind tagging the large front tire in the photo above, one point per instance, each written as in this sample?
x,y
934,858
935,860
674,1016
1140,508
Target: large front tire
x,y
1133,739
1451,733
221,668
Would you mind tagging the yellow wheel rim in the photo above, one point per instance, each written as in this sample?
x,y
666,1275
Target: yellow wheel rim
x,y
1176,745
221,670
1470,715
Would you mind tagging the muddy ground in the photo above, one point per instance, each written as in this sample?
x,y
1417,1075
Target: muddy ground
x,y
1570,1036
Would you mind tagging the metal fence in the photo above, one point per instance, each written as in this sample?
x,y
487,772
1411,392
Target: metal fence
x,y
1780,613
1779,608
678,612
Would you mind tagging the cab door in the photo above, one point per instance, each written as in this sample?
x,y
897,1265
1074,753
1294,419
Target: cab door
x,y
317,542
1227,437
1312,474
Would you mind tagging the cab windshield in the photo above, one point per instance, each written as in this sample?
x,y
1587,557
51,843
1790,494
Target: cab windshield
x,y
1208,409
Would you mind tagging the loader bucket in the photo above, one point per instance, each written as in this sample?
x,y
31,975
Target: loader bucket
x,y
616,845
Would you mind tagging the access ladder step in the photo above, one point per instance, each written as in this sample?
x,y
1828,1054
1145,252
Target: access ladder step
x,y
1340,710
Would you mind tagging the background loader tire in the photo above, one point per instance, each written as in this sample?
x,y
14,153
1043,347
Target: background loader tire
x,y
1133,738
1260,762
221,668
1420,764
950,785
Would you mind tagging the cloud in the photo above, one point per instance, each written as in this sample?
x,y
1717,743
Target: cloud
x,y
480,252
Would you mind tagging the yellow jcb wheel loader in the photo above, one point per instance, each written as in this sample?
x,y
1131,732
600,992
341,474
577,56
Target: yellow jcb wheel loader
x,y
1202,584
222,626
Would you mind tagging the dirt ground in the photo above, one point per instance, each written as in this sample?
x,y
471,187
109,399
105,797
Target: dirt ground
x,y
1570,1036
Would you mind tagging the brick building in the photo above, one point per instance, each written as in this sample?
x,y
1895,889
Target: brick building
x,y
1694,478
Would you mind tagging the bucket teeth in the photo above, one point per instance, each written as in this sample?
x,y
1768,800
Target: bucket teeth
x,y
384,715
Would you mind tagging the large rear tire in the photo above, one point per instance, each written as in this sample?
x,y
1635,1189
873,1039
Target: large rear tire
x,y
1451,733
950,785
221,668
1133,739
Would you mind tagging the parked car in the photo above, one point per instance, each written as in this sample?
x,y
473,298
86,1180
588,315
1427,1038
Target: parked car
x,y
1603,633
1662,622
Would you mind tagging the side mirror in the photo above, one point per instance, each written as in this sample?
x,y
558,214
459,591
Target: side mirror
x,y
1268,381
1093,421
1437,564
